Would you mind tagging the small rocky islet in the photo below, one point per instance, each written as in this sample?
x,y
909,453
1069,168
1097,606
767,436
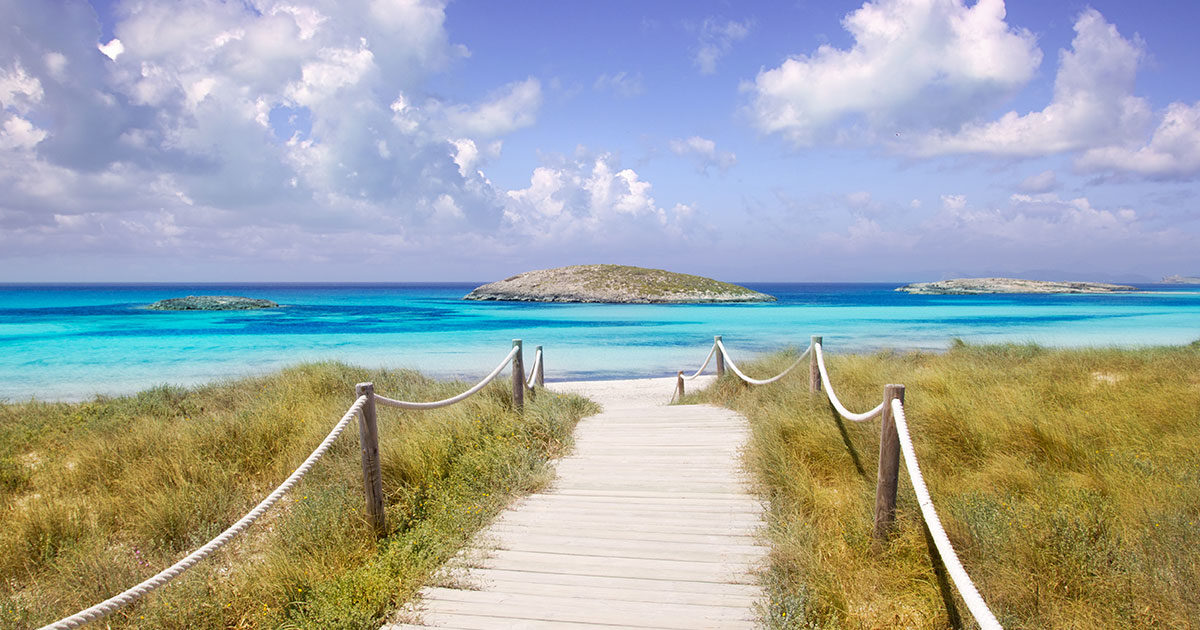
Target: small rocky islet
x,y
983,286
212,303
614,284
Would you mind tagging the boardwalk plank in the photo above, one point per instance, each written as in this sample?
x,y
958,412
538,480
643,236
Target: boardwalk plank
x,y
649,524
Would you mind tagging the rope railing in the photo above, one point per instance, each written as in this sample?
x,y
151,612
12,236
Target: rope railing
x,y
837,404
707,359
894,441
537,375
166,575
966,588
404,404
754,381
364,408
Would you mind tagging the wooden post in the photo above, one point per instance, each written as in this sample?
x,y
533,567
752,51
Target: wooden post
x,y
720,357
679,384
368,439
814,372
889,464
518,378
540,381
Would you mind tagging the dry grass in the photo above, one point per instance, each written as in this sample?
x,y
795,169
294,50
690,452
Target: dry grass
x,y
1068,480
96,496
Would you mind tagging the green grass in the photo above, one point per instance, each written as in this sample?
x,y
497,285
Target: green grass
x,y
97,496
1068,481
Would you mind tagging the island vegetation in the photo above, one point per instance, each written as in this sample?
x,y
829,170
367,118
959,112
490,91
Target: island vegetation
x,y
620,284
99,495
1066,479
975,286
211,303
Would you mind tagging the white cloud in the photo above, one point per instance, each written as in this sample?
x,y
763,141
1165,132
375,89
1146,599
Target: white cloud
x,y
334,69
592,199
1040,183
282,118
112,49
307,19
1173,150
18,90
18,133
704,151
512,107
545,195
1093,103
621,83
56,64
914,63
717,38
954,202
1033,222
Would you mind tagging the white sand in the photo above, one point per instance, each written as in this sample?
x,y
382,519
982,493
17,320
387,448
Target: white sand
x,y
638,392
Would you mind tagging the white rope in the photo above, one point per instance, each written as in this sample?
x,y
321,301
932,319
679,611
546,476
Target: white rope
x,y
449,401
837,404
966,588
537,367
706,360
166,575
754,381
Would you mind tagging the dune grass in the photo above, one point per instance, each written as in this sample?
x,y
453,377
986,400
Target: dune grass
x,y
97,496
1068,481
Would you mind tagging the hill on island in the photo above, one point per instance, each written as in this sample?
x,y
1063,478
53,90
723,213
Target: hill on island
x,y
617,284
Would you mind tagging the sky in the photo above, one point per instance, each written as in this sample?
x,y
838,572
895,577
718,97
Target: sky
x,y
420,140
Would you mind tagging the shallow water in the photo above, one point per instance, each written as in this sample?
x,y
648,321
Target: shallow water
x,y
72,341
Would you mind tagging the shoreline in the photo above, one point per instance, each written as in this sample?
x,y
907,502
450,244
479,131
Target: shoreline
x,y
573,381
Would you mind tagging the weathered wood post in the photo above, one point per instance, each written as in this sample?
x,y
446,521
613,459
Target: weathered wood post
x,y
720,357
518,378
679,384
368,439
540,381
889,464
814,371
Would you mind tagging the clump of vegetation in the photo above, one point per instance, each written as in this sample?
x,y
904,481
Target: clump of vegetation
x,y
97,496
654,282
1068,481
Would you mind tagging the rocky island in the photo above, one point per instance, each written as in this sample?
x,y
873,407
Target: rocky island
x,y
615,284
978,286
211,303
1180,280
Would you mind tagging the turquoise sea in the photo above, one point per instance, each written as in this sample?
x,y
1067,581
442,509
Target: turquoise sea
x,y
69,342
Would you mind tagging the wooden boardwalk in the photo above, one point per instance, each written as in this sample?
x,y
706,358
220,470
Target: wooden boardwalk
x,y
649,524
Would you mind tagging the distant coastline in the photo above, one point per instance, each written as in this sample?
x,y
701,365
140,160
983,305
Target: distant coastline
x,y
979,286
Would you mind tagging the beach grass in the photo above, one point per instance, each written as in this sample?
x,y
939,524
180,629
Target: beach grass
x,y
1068,481
99,495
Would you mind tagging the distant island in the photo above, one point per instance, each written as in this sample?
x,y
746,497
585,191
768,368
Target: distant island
x,y
1180,280
614,284
977,286
211,303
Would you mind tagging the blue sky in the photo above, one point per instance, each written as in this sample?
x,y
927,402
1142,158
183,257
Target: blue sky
x,y
390,140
